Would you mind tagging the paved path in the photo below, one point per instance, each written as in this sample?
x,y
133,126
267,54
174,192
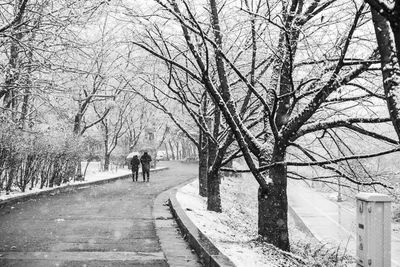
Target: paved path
x,y
105,225
328,221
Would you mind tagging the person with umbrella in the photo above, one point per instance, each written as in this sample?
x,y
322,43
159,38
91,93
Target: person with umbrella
x,y
135,162
145,159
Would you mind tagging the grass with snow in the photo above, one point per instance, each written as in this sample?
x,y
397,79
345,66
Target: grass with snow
x,y
234,231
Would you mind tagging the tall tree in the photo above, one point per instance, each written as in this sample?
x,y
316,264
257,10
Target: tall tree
x,y
298,101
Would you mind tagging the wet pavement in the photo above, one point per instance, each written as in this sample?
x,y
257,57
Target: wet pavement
x,y
103,225
329,221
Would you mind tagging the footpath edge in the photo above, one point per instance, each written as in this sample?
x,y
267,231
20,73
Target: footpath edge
x,y
205,249
301,225
177,250
209,254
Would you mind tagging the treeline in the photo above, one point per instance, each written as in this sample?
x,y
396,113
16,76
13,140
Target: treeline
x,y
33,160
180,148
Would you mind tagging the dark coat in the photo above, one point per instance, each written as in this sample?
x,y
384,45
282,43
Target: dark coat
x,y
135,162
145,160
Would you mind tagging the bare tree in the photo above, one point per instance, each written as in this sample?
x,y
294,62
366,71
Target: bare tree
x,y
295,108
34,53
113,125
137,120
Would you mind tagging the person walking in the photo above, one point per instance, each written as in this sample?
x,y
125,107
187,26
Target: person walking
x,y
135,162
145,159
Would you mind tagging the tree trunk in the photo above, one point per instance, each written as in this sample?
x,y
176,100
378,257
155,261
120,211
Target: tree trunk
x,y
9,178
177,151
106,161
213,176
390,68
106,165
28,84
172,149
166,150
77,133
184,150
213,191
77,122
54,173
213,180
203,164
25,101
396,33
273,205
34,171
12,77
272,201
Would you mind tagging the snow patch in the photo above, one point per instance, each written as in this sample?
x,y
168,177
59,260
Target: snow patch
x,y
234,231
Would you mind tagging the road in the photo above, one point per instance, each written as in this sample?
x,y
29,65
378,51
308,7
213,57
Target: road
x,y
331,222
104,225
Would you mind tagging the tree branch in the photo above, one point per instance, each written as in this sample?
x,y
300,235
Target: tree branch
x,y
17,18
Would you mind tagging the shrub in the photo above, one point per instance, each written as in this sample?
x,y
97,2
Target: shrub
x,y
36,159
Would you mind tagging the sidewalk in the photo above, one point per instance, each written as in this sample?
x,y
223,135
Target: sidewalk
x,y
329,221
175,248
117,222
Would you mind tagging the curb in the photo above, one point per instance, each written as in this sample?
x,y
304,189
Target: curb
x,y
205,249
176,250
66,188
300,223
208,253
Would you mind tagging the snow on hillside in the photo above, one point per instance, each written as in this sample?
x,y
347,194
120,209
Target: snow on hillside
x,y
234,231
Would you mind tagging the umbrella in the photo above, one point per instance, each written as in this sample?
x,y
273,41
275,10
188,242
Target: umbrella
x,y
130,155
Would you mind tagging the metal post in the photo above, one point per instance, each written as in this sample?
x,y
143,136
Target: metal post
x,y
373,230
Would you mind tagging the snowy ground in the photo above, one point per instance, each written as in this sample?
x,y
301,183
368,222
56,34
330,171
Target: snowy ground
x,y
93,173
234,231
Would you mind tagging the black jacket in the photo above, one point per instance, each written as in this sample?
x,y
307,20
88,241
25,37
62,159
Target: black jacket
x,y
135,162
145,160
